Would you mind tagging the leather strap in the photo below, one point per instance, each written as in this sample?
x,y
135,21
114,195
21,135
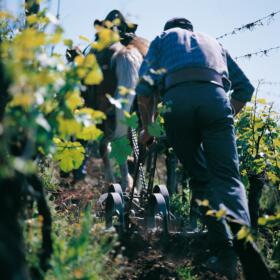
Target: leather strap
x,y
193,74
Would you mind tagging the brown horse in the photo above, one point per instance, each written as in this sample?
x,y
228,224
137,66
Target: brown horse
x,y
120,64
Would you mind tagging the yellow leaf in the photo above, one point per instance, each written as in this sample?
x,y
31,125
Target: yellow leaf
x,y
242,233
262,221
44,78
244,172
94,77
106,38
81,72
221,213
79,60
90,60
261,101
32,19
49,106
57,140
55,38
94,114
24,100
259,125
125,91
84,38
272,177
68,43
30,38
116,21
276,142
68,127
74,100
204,202
211,213
90,133
70,155
108,24
130,24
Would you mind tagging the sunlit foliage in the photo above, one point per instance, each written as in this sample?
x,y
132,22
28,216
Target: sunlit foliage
x,y
45,100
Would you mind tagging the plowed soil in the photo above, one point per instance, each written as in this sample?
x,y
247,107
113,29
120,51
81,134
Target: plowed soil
x,y
148,256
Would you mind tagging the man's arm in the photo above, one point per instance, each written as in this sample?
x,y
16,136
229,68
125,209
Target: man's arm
x,y
241,86
146,90
147,109
237,105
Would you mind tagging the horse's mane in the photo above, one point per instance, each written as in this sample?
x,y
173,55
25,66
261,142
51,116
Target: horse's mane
x,y
141,44
127,60
120,65
126,63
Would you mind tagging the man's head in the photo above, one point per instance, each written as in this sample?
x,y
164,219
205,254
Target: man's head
x,y
178,22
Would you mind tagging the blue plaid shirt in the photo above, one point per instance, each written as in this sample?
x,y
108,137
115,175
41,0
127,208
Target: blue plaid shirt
x,y
178,48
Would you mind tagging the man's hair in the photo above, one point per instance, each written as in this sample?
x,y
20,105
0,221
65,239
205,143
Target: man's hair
x,y
178,22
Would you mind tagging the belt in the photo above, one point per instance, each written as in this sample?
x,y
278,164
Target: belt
x,y
195,74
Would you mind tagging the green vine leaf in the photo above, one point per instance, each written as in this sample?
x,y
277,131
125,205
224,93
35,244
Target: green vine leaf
x,y
121,149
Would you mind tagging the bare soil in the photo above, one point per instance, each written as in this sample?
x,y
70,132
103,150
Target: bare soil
x,y
148,256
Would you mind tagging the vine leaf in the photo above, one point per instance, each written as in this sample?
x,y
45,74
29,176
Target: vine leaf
x,y
90,133
70,155
131,120
94,77
121,149
155,129
74,100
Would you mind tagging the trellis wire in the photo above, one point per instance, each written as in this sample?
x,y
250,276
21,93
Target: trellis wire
x,y
250,26
261,52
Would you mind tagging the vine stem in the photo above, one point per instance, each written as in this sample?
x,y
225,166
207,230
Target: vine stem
x,y
57,16
253,116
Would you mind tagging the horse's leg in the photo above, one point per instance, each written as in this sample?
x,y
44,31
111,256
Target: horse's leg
x,y
126,179
127,62
104,153
121,131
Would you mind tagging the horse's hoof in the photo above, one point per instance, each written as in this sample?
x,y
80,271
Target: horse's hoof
x,y
129,182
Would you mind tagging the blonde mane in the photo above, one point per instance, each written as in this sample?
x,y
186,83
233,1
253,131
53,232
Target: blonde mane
x,y
127,62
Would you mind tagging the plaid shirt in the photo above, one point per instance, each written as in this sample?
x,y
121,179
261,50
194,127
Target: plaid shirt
x,y
178,48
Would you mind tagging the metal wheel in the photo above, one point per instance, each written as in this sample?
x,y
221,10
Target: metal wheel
x,y
157,206
116,188
165,193
114,208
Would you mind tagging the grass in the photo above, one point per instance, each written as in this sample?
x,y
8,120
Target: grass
x,y
82,247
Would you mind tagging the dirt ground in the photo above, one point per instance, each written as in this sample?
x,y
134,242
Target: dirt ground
x,y
148,257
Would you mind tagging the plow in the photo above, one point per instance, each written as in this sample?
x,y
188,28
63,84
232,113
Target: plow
x,y
146,204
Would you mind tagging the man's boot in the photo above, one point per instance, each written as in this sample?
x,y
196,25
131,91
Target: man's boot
x,y
253,264
224,262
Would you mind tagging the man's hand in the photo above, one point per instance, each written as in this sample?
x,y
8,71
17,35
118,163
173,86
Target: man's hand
x,y
145,138
236,105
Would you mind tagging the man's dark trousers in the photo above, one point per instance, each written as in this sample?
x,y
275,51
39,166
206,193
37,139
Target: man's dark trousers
x,y
199,126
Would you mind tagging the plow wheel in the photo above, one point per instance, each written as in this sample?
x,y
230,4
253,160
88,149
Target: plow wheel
x,y
114,208
116,188
162,189
157,206
113,188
